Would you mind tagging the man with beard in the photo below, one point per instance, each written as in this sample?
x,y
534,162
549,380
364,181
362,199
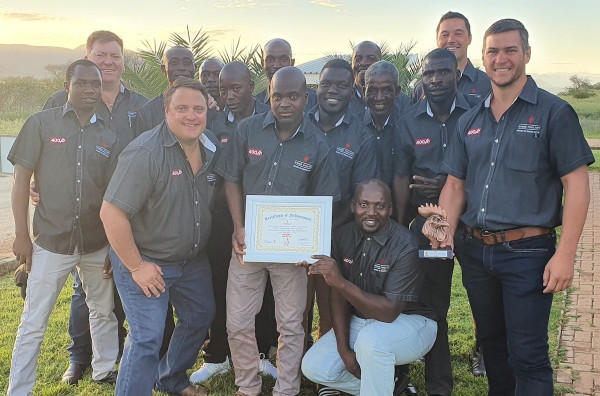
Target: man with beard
x,y
425,131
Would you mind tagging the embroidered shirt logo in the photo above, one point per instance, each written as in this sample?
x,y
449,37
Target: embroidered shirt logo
x,y
255,152
348,261
303,165
345,151
58,140
423,142
176,172
211,178
224,140
381,267
529,127
474,131
102,150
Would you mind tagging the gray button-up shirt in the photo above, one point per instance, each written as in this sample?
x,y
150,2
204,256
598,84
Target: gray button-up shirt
x,y
169,207
512,168
258,159
422,141
224,123
72,166
386,141
355,153
123,117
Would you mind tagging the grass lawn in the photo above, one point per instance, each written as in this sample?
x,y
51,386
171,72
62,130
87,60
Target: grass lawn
x,y
596,165
54,356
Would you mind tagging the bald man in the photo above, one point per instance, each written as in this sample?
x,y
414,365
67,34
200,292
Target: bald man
x,y
277,54
209,77
275,153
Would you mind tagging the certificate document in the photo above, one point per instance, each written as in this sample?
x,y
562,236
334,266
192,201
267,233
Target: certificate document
x,y
287,229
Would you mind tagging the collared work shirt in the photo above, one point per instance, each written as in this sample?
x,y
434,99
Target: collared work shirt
x,y
169,206
72,165
385,263
224,123
512,167
473,83
422,141
123,117
264,165
386,140
355,152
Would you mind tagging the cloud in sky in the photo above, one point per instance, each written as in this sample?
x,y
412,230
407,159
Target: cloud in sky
x,y
245,4
28,17
326,3
219,32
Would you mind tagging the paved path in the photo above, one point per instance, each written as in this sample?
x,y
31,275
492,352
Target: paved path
x,y
594,143
580,336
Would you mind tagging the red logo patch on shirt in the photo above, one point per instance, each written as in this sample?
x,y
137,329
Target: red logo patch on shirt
x,y
473,90
348,145
423,142
176,172
474,131
255,152
383,260
306,159
348,261
58,140
531,119
224,140
104,144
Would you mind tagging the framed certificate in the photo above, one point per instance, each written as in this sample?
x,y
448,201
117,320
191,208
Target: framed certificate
x,y
287,229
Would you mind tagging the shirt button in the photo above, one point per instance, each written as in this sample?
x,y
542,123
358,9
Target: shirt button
x,y
364,254
492,164
275,163
78,181
496,140
280,144
444,145
78,146
77,199
443,124
195,202
197,224
487,185
368,239
196,245
482,210
378,137
361,274
269,183
76,216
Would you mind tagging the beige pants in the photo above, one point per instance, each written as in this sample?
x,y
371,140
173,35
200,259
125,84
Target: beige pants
x,y
245,289
316,284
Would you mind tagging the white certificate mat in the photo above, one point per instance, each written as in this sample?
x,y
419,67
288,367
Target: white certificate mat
x,y
287,229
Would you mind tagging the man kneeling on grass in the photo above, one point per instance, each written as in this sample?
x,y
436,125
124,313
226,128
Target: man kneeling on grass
x,y
375,280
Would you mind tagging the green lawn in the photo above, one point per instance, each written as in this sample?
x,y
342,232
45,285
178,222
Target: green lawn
x,y
54,357
596,165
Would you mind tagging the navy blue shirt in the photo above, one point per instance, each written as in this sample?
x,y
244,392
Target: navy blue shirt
x,y
386,140
264,165
423,139
224,123
512,168
473,83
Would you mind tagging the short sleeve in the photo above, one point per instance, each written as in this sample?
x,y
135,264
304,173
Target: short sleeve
x,y
455,158
230,164
28,144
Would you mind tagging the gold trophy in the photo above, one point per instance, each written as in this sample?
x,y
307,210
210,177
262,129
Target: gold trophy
x,y
436,230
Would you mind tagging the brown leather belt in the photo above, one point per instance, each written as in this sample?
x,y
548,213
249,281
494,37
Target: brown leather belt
x,y
495,237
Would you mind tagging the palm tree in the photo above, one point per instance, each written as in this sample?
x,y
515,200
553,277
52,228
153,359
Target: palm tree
x,y
252,57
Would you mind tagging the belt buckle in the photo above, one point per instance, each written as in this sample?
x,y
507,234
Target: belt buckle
x,y
486,233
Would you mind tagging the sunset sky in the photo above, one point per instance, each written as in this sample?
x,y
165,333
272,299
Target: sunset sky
x,y
563,34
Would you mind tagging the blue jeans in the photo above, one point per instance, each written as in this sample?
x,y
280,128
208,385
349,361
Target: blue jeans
x,y
379,347
189,289
504,285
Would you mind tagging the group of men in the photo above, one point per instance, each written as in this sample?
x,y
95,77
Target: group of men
x,y
494,151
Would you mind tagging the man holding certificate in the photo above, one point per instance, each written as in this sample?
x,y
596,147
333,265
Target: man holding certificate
x,y
274,153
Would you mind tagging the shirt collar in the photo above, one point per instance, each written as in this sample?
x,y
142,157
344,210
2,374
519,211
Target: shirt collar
x,y
528,93
469,71
270,121
357,92
381,236
368,119
430,113
170,139
337,124
68,108
231,117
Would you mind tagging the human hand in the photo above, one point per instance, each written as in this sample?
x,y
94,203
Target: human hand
x,y
23,249
558,274
239,244
148,277
34,195
328,268
430,188
349,358
212,103
107,270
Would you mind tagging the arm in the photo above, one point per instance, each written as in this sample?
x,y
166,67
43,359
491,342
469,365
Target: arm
x,y
22,247
401,195
146,274
340,317
369,305
558,274
233,192
452,200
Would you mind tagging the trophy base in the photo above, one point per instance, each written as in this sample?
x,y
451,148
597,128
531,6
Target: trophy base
x,y
436,253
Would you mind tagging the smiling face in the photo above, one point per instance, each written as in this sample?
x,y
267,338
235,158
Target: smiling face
x,y
440,77
109,58
372,207
363,56
85,88
380,93
504,58
186,114
334,91
178,62
453,35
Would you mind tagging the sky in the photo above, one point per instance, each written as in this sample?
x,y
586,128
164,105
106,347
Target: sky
x,y
563,34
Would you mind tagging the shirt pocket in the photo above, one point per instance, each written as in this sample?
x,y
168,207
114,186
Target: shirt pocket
x,y
524,152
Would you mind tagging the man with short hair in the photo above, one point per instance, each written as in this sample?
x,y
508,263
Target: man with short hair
x,y
277,54
72,155
177,62
274,153
513,157
355,152
235,85
453,33
426,129
378,321
118,108
156,213
209,77
364,54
